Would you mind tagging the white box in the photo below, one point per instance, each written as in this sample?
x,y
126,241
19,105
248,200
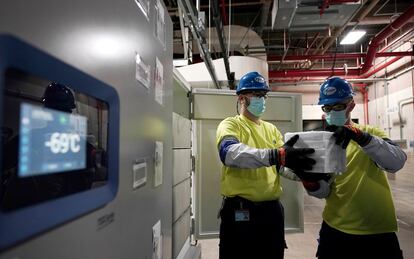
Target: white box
x,y
330,157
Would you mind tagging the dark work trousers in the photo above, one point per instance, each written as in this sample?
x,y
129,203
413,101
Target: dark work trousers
x,y
335,244
251,230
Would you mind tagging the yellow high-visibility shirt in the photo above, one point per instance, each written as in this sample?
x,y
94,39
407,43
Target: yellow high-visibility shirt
x,y
261,184
360,201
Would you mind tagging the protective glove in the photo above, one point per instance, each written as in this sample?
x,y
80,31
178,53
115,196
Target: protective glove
x,y
344,134
312,177
312,181
294,158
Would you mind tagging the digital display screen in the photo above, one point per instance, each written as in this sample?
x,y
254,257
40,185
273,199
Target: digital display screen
x,y
59,147
51,141
54,141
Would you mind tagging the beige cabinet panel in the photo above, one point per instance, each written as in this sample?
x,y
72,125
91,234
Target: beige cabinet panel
x,y
181,165
181,232
181,131
181,198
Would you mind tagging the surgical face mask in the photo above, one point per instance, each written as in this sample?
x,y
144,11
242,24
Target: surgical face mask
x,y
257,106
337,118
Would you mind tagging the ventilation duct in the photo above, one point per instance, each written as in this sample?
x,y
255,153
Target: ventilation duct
x,y
282,13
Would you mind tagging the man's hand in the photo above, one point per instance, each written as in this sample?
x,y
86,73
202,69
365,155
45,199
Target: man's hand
x,y
295,158
312,177
344,134
316,184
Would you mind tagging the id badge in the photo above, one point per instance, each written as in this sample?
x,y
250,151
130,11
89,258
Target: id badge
x,y
241,215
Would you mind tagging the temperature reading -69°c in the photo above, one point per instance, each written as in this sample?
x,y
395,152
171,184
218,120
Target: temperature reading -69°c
x,y
63,143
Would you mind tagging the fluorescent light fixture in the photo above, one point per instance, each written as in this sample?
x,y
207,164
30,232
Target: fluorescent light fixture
x,y
352,37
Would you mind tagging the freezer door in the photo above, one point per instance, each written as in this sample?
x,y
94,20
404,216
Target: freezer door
x,y
210,107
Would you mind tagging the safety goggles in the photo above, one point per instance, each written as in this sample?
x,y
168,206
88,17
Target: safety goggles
x,y
335,107
257,94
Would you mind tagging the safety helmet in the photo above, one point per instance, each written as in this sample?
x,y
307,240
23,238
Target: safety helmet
x,y
334,90
252,81
59,97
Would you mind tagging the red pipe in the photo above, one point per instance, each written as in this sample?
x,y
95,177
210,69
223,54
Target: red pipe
x,y
404,36
313,73
340,56
381,67
390,29
364,92
223,13
325,4
343,1
329,72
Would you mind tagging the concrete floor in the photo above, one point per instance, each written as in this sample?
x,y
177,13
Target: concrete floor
x,y
303,245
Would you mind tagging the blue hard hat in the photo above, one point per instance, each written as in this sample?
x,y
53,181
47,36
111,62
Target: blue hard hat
x,y
252,81
59,97
335,90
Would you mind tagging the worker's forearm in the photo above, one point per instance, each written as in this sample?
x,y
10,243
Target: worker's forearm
x,y
386,154
236,154
243,156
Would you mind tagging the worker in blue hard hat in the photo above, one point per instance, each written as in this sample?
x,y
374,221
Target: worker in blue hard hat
x,y
359,219
252,153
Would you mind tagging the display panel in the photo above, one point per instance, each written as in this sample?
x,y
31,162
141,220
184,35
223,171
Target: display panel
x,y
56,144
50,141
36,201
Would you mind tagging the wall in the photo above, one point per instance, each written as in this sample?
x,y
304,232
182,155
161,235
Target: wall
x,y
384,100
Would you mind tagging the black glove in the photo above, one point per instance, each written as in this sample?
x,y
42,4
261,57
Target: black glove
x,y
344,134
311,181
294,158
312,177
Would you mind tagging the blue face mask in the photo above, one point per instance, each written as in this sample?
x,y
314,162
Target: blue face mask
x,y
337,118
257,106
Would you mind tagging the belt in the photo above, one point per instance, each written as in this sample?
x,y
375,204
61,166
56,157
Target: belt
x,y
245,202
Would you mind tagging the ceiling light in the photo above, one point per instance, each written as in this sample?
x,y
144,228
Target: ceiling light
x,y
352,37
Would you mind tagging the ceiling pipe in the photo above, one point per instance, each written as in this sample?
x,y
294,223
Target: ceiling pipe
x,y
172,9
354,72
364,92
325,4
223,13
379,38
381,67
340,56
340,30
313,90
332,2
375,20
222,41
372,52
318,81
408,34
312,43
313,73
265,10
289,82
190,17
